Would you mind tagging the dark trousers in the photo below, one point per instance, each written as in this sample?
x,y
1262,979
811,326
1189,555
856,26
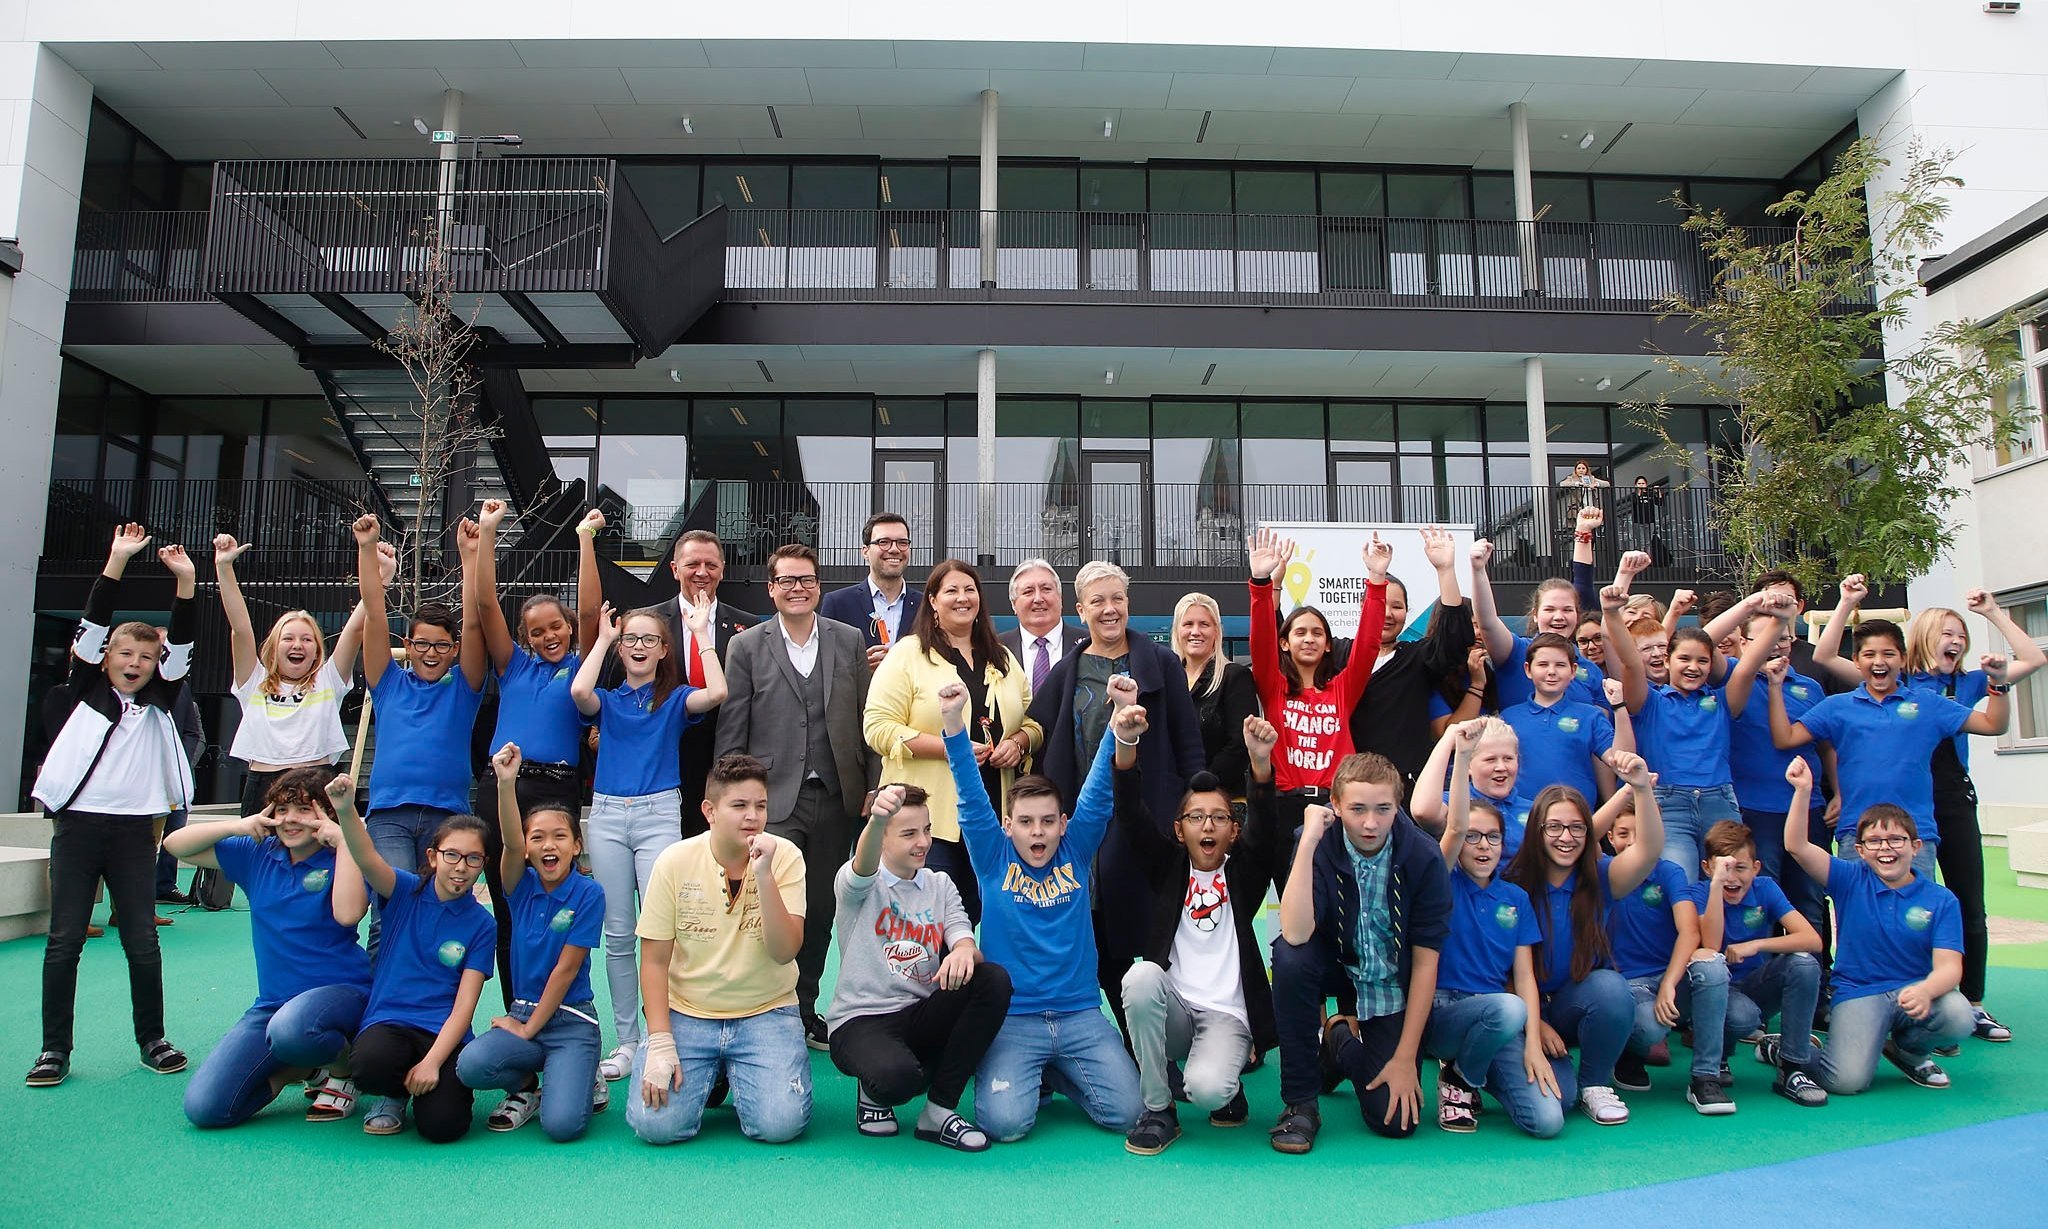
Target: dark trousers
x,y
1305,976
952,858
166,865
383,1053
818,825
934,1044
1961,856
84,849
551,783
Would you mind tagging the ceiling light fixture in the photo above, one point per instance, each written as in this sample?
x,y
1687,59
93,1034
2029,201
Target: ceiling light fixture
x,y
886,199
687,129
1603,385
737,417
764,371
1209,374
1109,377
746,193
1203,131
1586,142
1108,127
420,126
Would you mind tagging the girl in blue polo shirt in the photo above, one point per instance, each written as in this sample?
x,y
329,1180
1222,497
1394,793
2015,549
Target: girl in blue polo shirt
x,y
1585,1002
428,977
1492,778
423,713
1553,610
535,710
1476,1019
1562,739
312,979
1654,933
557,917
636,806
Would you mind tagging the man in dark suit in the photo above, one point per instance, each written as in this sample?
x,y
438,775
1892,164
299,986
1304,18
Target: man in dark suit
x,y
1036,600
884,606
1071,711
699,566
796,689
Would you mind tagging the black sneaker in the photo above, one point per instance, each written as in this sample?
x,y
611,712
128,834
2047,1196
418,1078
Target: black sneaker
x,y
1631,1073
1727,1075
1295,1133
1709,1096
1336,1031
1232,1113
173,897
1986,1026
162,1057
1799,1088
1948,1051
1155,1130
49,1069
814,1034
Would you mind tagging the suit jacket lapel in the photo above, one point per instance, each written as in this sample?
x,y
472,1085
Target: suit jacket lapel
x,y
773,646
828,658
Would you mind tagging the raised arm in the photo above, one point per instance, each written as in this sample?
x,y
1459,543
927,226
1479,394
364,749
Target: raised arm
x,y
1426,806
1682,602
183,626
1449,636
1500,642
1269,554
1997,711
2027,656
1798,845
505,767
349,900
1742,679
471,655
1827,649
976,812
1298,895
1633,865
782,932
1584,530
1356,676
241,632
712,694
1714,914
350,642
486,612
193,844
341,792
376,623
589,580
867,851
583,688
1786,734
1462,739
1622,653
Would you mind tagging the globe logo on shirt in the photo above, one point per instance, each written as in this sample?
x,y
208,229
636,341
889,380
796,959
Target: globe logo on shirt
x,y
1909,710
562,673
316,880
1799,691
561,920
1709,704
1653,894
1582,675
1918,918
1505,916
1568,725
451,953
1753,917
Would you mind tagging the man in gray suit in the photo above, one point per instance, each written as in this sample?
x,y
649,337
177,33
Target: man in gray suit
x,y
796,688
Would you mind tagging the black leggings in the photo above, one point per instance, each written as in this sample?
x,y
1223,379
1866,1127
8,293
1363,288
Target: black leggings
x,y
537,783
934,1044
383,1053
1961,855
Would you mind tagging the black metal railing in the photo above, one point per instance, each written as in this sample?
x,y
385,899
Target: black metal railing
x,y
142,256
905,254
355,226
299,527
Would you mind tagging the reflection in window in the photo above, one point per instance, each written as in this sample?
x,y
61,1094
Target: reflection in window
x,y
1283,455
833,451
643,466
1197,517
1038,469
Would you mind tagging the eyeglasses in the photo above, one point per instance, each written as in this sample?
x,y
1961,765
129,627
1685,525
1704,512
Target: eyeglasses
x,y
891,544
1208,819
1556,829
431,646
791,583
1885,842
1482,838
453,858
641,640
1589,641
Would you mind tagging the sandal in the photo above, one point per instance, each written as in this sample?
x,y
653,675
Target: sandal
x,y
958,1134
163,1058
335,1100
314,1080
515,1111
51,1066
386,1117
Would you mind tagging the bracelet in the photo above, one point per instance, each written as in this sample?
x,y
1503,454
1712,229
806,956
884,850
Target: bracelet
x,y
707,648
589,531
1997,689
1120,740
1476,691
1580,535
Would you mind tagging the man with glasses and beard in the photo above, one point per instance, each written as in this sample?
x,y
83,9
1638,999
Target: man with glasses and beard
x,y
882,607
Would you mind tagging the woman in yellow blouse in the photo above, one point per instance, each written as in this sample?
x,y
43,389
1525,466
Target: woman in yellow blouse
x,y
951,642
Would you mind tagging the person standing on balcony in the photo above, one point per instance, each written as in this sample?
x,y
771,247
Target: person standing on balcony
x,y
1646,508
883,607
1042,638
1580,487
1071,711
951,642
796,692
535,711
289,688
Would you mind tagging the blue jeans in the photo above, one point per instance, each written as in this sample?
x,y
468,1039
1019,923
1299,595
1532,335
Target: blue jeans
x,y
308,1030
1787,984
401,835
1702,994
566,1047
623,837
1484,1033
1074,1052
1688,813
1595,1015
764,1058
1859,1027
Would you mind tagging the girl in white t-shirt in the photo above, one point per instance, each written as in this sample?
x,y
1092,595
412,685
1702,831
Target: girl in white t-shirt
x,y
289,688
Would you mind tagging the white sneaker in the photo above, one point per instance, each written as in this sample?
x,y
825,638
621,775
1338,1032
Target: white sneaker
x,y
515,1111
601,1095
1602,1106
617,1065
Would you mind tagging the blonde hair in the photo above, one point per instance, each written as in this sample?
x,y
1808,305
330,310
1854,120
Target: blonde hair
x,y
1497,730
1638,603
1099,569
1212,674
1925,632
266,653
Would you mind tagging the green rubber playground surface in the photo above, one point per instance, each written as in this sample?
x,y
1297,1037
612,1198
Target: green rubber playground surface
x,y
111,1146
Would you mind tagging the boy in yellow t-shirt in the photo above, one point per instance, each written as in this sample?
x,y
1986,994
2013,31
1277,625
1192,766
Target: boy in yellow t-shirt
x,y
720,925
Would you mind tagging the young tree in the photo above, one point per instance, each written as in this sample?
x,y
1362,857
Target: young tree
x,y
1849,450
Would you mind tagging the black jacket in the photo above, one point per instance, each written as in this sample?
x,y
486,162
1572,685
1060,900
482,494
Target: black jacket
x,y
1165,862
1220,715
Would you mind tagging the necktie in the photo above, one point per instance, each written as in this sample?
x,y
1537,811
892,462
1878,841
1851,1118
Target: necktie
x,y
1041,665
696,671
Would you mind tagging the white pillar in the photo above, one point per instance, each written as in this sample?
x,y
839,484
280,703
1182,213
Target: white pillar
x,y
1539,450
451,119
988,190
52,107
985,459
1525,198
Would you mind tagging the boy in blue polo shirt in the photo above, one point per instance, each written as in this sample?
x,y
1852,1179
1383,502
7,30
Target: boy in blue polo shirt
x,y
1034,867
1653,934
1741,916
1884,736
1553,610
1759,767
1562,738
1898,952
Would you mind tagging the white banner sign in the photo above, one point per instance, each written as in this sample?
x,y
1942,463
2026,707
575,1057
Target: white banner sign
x,y
1328,570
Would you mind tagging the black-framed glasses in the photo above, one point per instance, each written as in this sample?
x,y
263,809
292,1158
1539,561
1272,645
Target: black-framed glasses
x,y
1482,838
431,646
1208,819
1589,641
890,543
453,857
1885,842
789,584
642,640
1557,829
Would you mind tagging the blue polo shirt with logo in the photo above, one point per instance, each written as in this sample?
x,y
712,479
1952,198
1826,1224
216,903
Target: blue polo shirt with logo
x,y
1965,687
535,710
299,946
1754,761
1640,927
1559,744
1684,736
1554,959
545,922
1511,680
1487,924
425,947
1883,751
1885,938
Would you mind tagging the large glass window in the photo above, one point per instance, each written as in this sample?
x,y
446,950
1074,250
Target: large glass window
x,y
831,441
669,191
1038,477
756,198
643,468
1277,232
1192,234
1443,469
1283,461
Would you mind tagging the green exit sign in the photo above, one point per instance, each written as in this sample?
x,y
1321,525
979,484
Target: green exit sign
x,y
444,136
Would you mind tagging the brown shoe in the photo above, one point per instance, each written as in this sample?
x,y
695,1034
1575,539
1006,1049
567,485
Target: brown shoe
x,y
161,920
94,932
